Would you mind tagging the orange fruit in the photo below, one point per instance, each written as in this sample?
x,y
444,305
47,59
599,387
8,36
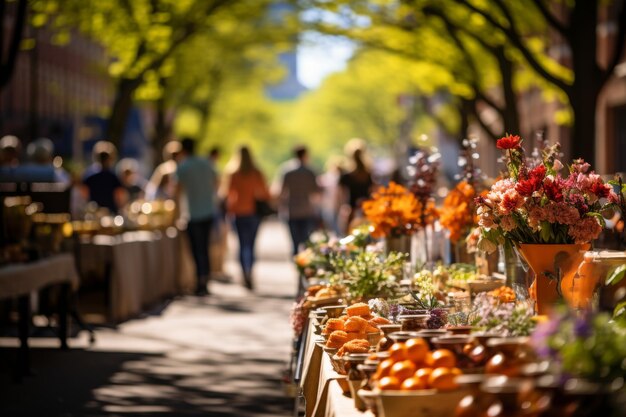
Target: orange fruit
x,y
442,379
389,383
456,371
443,358
413,383
428,360
416,350
424,374
383,369
397,352
403,369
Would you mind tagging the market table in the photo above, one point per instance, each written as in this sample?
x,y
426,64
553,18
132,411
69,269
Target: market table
x,y
140,268
319,382
19,280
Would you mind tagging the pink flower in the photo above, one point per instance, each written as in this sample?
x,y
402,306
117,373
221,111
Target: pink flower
x,y
502,186
536,215
511,201
580,166
585,230
557,165
507,223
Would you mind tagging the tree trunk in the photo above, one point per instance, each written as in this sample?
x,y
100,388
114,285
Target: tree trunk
x,y
587,83
583,132
510,115
162,130
465,111
7,67
122,106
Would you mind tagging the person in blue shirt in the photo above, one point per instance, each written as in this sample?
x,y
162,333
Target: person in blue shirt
x,y
197,182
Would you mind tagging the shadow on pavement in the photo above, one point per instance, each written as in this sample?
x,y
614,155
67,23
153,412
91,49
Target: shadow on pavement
x,y
89,383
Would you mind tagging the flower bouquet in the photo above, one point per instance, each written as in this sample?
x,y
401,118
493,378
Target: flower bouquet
x,y
394,213
549,217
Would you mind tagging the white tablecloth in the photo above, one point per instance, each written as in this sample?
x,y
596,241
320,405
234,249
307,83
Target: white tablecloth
x,y
21,279
146,267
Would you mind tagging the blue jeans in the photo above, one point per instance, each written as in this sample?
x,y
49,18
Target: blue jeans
x,y
300,230
247,228
198,232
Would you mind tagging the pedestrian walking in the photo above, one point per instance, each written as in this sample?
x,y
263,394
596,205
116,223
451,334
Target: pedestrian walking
x,y
245,186
198,183
355,186
299,198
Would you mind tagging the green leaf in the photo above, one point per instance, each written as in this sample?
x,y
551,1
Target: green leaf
x,y
599,217
616,275
546,231
620,311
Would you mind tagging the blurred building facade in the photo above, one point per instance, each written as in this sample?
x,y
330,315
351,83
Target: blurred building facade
x,y
58,90
538,116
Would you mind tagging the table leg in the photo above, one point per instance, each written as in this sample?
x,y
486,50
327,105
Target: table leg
x,y
63,307
23,354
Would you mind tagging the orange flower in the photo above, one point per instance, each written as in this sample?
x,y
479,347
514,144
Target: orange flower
x,y
457,213
393,210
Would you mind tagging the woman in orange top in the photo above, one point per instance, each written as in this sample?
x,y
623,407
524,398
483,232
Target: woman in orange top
x,y
246,185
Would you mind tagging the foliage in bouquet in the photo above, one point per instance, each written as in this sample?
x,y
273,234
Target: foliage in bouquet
x,y
457,212
422,172
393,211
490,314
425,298
369,274
536,204
584,344
321,248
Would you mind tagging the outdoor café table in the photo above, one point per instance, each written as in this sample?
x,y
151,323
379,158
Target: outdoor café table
x,y
19,280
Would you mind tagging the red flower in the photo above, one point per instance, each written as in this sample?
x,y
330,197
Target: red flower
x,y
538,172
600,189
553,189
528,187
509,142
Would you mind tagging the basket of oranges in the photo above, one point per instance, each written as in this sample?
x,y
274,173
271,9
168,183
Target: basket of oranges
x,y
416,381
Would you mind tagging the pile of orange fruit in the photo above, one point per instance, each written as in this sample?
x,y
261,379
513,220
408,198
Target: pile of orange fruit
x,y
413,366
504,294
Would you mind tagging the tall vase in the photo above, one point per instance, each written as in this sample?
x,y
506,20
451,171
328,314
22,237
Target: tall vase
x,y
518,276
552,265
401,243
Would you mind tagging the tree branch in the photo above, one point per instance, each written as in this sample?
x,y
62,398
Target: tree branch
x,y
14,46
482,123
551,18
620,42
2,12
514,37
452,31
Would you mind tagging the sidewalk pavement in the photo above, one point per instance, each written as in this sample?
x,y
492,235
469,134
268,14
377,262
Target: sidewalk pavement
x,y
221,355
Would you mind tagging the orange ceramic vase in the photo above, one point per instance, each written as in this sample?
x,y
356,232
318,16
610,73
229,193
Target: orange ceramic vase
x,y
544,260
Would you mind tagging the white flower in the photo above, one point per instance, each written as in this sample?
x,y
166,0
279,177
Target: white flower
x,y
486,245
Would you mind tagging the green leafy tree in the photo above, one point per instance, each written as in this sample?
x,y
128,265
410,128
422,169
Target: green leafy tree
x,y
142,36
576,26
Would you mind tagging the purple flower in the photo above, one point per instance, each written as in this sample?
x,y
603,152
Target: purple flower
x,y
582,326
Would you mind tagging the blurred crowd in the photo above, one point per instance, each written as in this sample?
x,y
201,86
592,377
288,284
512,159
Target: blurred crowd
x,y
209,203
